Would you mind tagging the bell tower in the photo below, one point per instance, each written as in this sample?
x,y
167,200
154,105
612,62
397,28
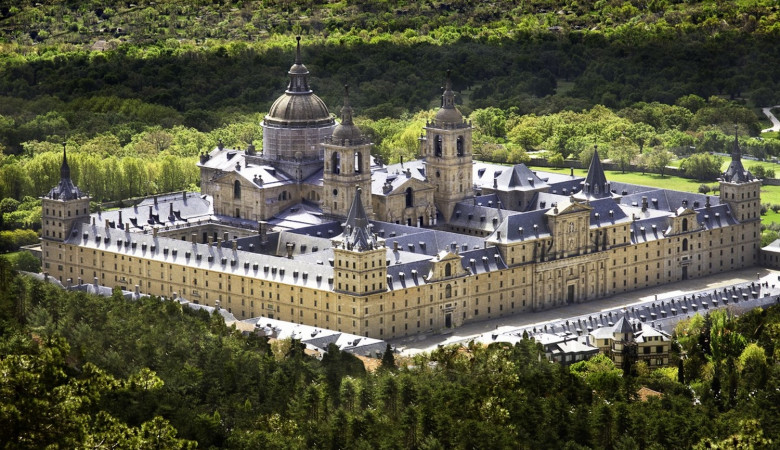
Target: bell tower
x,y
446,148
360,257
347,164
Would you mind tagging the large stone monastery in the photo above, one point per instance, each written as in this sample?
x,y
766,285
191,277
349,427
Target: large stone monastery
x,y
313,230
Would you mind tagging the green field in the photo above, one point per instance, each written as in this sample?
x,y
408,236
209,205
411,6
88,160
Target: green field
x,y
769,194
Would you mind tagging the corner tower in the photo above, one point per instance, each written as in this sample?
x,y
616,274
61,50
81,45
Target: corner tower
x,y
359,256
63,206
295,126
740,189
446,148
347,164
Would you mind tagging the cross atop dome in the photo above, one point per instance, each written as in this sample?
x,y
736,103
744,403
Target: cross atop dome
x,y
299,74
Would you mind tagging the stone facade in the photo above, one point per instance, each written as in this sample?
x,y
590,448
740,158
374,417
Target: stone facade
x,y
422,245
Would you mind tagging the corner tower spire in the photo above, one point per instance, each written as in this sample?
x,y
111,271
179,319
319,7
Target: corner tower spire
x,y
736,172
65,189
357,229
64,168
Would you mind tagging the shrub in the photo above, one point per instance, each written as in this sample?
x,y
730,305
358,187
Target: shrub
x,y
704,189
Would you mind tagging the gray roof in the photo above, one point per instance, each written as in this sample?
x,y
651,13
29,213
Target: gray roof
x,y
65,189
736,173
202,256
595,184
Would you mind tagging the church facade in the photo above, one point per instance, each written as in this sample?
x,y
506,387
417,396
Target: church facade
x,y
312,230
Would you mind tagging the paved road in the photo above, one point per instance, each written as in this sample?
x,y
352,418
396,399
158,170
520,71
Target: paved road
x,y
775,123
472,331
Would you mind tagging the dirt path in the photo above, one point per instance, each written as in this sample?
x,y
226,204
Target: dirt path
x,y
775,123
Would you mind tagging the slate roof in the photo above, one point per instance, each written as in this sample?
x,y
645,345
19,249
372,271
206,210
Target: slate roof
x,y
668,200
202,256
521,227
317,337
519,177
169,210
228,160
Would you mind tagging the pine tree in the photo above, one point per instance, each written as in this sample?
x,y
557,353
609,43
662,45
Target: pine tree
x,y
388,359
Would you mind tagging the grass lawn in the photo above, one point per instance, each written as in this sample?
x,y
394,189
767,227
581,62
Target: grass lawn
x,y
769,194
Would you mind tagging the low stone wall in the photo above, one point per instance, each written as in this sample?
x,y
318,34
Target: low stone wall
x,y
570,163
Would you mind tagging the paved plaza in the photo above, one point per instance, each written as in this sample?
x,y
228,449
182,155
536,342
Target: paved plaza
x,y
755,286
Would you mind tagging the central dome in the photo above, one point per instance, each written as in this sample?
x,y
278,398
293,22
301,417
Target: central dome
x,y
298,110
298,106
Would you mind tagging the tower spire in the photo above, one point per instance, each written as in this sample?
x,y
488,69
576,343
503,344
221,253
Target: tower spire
x,y
736,153
448,97
357,229
346,110
736,172
64,168
595,184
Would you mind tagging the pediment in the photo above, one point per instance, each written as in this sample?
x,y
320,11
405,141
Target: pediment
x,y
413,183
568,207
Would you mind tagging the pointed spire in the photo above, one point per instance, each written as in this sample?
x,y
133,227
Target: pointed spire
x,y
736,172
595,184
65,168
65,189
357,229
736,153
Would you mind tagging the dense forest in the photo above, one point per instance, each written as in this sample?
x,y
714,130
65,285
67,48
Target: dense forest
x,y
82,371
137,90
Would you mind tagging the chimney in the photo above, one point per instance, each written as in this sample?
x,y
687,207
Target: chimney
x,y
194,238
151,212
290,247
120,217
127,227
395,246
644,203
211,240
235,245
95,281
225,236
708,202
155,200
263,230
137,290
170,209
93,221
154,232
184,195
107,226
